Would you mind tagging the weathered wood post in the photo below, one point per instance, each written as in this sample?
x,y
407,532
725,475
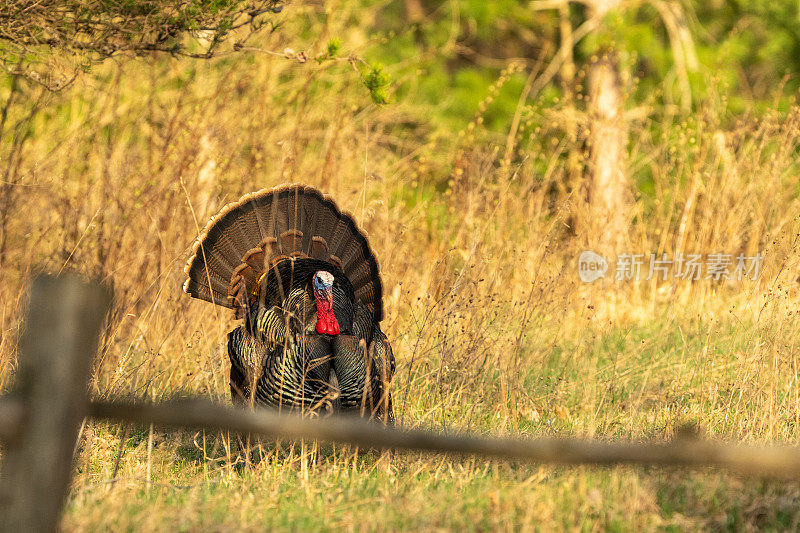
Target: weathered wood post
x,y
58,341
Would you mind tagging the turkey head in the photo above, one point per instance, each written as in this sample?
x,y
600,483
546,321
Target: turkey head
x,y
323,299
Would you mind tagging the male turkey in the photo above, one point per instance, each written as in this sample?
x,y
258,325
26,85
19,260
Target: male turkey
x,y
304,279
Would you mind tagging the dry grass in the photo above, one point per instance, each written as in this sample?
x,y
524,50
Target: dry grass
x,y
491,327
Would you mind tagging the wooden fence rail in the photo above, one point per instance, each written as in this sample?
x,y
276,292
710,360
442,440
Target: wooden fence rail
x,y
780,462
39,420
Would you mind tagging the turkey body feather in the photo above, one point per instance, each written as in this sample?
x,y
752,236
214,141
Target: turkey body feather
x,y
284,260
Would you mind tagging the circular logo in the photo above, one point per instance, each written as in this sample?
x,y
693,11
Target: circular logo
x,y
591,266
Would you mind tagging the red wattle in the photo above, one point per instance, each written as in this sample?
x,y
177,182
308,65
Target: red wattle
x,y
326,320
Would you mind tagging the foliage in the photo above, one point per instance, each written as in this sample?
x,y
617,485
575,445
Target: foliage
x,y
748,46
89,30
377,82
332,50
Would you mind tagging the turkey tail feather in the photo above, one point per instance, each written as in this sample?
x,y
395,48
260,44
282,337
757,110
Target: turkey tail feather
x,y
261,229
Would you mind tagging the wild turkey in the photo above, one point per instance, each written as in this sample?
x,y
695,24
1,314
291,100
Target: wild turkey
x,y
306,282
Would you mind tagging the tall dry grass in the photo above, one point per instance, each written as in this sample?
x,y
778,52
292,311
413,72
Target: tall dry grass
x,y
115,176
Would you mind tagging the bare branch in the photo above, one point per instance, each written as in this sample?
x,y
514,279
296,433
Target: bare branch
x,y
41,38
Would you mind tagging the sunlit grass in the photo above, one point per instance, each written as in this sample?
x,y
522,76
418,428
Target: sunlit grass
x,y
492,329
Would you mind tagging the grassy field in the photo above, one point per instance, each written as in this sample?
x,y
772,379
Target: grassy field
x,y
478,242
636,382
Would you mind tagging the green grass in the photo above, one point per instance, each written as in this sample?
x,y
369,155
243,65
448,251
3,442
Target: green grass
x,y
452,495
635,382
415,492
